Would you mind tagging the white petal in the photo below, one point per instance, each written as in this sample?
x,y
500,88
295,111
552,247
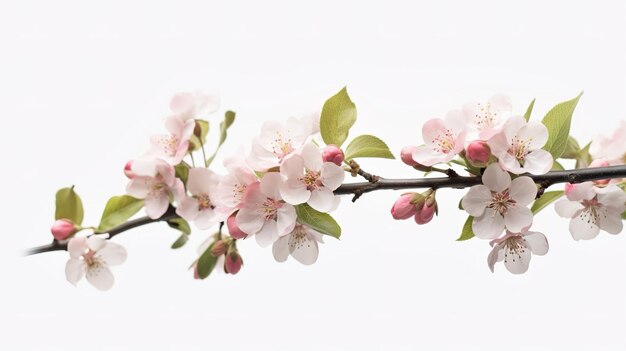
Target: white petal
x,y
476,200
113,254
536,133
512,126
294,191
568,209
610,221
312,157
501,104
74,270
510,163
495,178
612,197
581,228
426,156
517,261
286,219
518,218
432,129
100,277
499,145
201,180
582,191
322,199
538,162
96,243
523,190
174,125
280,248
249,221
303,249
270,185
157,205
292,167
488,226
188,209
267,235
455,120
536,242
139,187
332,175
494,255
206,219
77,246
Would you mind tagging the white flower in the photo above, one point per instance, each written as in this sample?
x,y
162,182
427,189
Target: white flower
x,y
443,139
232,186
518,147
515,250
91,257
500,202
277,141
173,147
611,149
190,105
592,209
301,244
263,213
307,178
484,120
200,206
154,181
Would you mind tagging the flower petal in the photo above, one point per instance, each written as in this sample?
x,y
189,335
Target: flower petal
x,y
536,242
280,248
582,191
495,253
432,129
188,209
523,190
292,167
495,178
612,197
201,181
250,221
113,254
285,219
139,187
568,209
512,126
100,277
77,246
518,218
157,205
517,260
332,175
270,185
267,235
294,191
476,200
312,157
610,221
206,219
74,270
322,199
536,133
488,226
582,228
538,162
304,249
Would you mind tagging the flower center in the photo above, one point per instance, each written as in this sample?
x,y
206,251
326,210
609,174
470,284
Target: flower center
x,y
204,202
311,179
169,144
514,247
591,213
519,148
238,191
485,118
501,202
444,142
282,147
156,187
270,209
298,238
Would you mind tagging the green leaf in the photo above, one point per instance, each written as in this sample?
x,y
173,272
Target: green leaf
x,y
547,198
117,211
558,121
181,241
556,166
584,157
624,215
467,232
367,146
229,119
572,149
180,224
69,206
197,142
206,263
182,172
529,110
322,222
338,116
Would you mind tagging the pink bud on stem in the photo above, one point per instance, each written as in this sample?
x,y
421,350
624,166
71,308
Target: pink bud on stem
x,y
333,154
478,153
63,229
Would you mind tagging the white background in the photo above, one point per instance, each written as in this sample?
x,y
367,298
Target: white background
x,y
83,85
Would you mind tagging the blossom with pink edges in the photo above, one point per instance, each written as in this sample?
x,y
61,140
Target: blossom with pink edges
x,y
200,206
611,149
172,147
232,187
515,250
484,120
191,105
91,257
154,182
443,138
301,244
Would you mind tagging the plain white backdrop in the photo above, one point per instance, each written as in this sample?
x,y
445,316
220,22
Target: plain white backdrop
x,y
84,84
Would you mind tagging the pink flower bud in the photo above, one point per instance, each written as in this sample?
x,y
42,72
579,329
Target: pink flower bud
x,y
406,155
233,228
128,170
333,154
233,263
478,153
403,208
426,214
63,229
600,163
568,188
219,248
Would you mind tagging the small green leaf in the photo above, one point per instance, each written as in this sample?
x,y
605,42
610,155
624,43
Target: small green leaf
x,y
556,166
117,211
229,119
367,146
338,116
69,206
547,198
206,263
180,224
322,222
467,232
584,157
558,121
572,149
197,142
182,172
181,241
529,110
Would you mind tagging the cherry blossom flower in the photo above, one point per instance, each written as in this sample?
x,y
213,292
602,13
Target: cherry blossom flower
x,y
173,147
200,206
263,213
190,105
154,182
444,139
307,178
518,147
500,202
277,141
232,186
592,209
91,257
515,250
301,244
484,120
611,149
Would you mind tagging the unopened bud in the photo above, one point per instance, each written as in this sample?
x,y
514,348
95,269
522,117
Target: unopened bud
x,y
197,130
406,155
600,163
333,154
128,170
404,207
195,271
233,262
426,214
63,229
233,228
478,153
219,248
